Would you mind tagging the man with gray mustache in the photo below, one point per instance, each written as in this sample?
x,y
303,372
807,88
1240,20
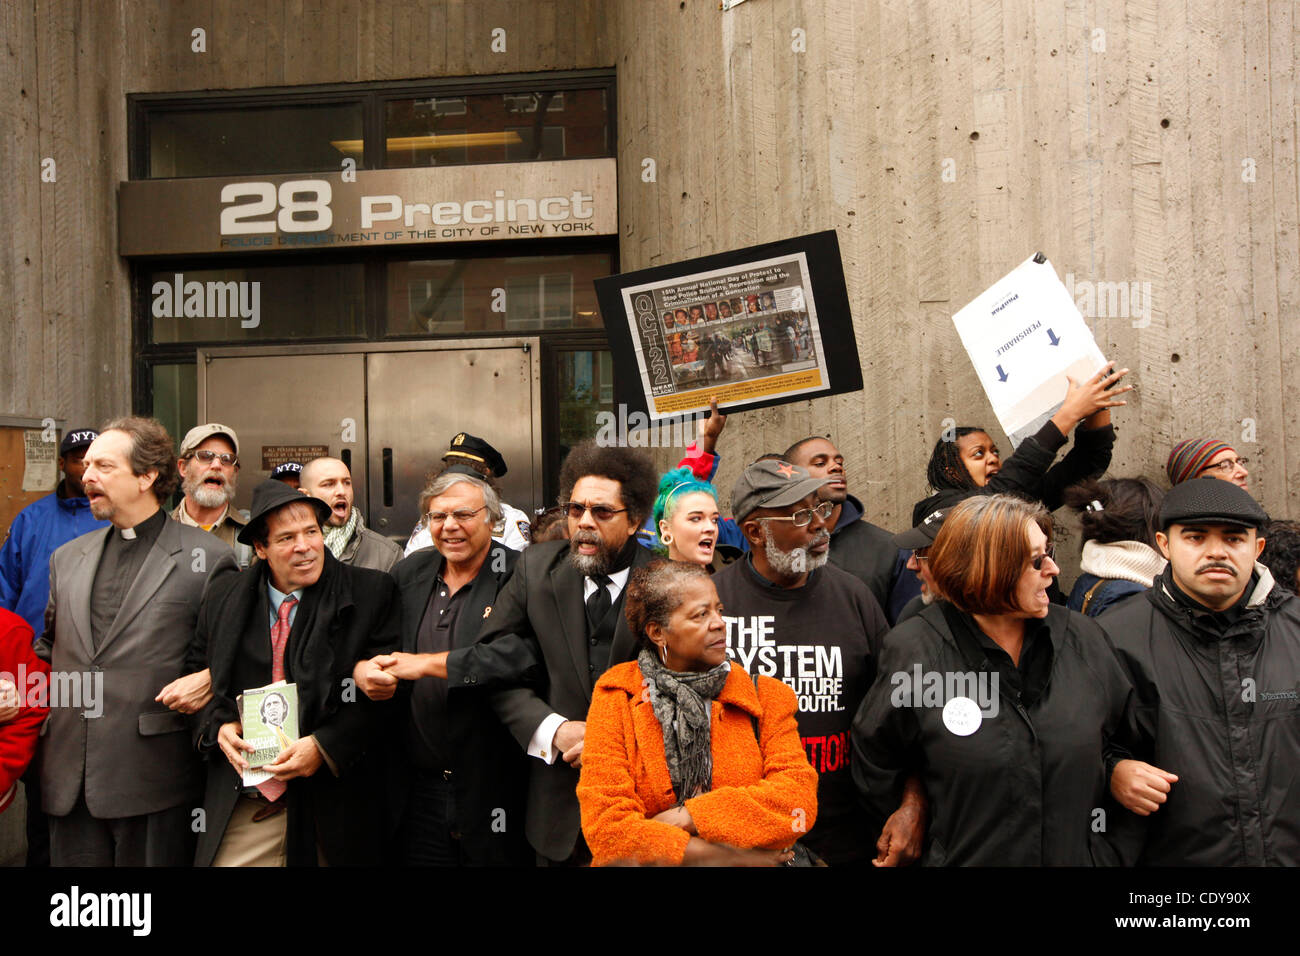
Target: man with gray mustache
x,y
792,616
1213,650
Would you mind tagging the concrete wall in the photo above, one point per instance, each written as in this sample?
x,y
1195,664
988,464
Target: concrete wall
x,y
1118,154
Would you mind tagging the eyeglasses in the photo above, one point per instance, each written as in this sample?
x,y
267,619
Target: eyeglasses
x,y
207,457
804,516
920,554
1227,466
1048,555
462,516
601,513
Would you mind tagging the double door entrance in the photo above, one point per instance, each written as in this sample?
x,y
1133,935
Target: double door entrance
x,y
389,411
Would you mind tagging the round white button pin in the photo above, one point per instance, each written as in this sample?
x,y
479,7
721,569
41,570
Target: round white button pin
x,y
961,716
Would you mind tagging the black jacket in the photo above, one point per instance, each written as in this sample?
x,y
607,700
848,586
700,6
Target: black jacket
x,y
1029,472
349,614
1025,788
489,771
1221,710
864,550
537,636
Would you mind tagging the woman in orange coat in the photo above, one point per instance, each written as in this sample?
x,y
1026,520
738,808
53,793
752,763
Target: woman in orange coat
x,y
671,769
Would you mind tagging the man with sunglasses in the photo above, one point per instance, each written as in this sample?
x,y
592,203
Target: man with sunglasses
x,y
557,625
793,616
209,467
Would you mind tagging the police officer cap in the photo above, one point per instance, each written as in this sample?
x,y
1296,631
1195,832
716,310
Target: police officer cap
x,y
468,447
1210,501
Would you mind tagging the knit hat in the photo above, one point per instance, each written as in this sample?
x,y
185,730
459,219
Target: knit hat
x,y
1211,501
1189,458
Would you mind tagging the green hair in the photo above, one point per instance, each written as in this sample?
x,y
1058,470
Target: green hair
x,y
674,484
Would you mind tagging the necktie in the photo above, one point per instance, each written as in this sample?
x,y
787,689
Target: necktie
x,y
274,789
599,603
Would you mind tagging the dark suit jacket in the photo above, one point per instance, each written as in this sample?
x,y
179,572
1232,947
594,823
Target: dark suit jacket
x,y
348,615
135,758
537,634
489,772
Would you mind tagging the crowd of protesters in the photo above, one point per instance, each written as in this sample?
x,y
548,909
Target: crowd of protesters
x,y
650,672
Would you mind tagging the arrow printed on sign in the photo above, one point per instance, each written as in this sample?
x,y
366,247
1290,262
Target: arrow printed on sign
x,y
1053,337
1002,376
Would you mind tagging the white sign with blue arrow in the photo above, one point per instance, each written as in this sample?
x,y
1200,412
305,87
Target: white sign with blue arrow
x,y
1024,335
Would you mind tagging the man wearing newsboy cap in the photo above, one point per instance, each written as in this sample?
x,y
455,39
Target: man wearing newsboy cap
x,y
1213,650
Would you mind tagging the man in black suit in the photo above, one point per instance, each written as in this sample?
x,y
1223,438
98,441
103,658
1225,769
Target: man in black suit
x,y
558,625
298,615
456,779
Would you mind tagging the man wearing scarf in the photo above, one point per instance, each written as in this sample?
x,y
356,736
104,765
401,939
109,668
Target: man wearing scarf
x,y
556,627
346,534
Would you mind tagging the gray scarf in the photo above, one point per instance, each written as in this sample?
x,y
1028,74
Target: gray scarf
x,y
681,704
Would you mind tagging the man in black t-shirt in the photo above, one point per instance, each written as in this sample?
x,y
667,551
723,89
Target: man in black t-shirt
x,y
792,616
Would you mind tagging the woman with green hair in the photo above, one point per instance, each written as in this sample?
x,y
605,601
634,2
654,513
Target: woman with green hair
x,y
686,517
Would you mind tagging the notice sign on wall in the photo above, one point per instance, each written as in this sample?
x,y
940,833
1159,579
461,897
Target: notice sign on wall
x,y
576,197
276,455
40,461
755,327
1024,335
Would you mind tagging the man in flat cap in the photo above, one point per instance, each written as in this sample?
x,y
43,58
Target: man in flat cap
x,y
301,616
469,454
1213,650
209,467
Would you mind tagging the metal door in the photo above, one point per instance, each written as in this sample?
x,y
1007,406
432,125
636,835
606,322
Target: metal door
x,y
388,410
313,402
418,400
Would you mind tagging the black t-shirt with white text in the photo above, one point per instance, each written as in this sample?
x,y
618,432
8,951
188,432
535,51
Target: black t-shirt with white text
x,y
822,640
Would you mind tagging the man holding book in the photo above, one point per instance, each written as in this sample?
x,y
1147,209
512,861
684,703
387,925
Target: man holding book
x,y
300,619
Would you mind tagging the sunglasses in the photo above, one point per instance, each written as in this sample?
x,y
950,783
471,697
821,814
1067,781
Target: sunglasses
x,y
601,513
1049,554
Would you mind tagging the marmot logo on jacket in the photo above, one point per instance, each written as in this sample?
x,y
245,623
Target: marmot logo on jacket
x,y
815,672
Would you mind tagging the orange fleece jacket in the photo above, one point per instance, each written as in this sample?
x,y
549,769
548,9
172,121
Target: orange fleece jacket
x,y
766,799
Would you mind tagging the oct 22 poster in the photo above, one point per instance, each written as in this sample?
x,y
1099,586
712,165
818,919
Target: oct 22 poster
x,y
755,327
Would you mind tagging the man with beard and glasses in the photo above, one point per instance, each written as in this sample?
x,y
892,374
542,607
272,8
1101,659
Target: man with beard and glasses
x,y
915,544
346,534
556,627
793,616
209,467
1213,651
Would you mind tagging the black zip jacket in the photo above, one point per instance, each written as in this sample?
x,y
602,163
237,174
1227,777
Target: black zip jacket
x,y
1028,786
1218,706
1029,471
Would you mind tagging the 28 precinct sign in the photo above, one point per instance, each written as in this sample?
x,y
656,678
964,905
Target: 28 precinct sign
x,y
365,208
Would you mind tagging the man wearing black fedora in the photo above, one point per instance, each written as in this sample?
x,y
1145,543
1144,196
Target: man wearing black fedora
x,y
298,615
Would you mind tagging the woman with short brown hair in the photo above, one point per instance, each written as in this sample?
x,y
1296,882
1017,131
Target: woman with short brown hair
x,y
1001,701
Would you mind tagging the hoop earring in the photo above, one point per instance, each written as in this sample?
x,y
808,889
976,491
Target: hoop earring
x,y
663,653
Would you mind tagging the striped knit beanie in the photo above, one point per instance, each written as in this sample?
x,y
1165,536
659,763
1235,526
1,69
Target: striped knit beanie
x,y
1189,458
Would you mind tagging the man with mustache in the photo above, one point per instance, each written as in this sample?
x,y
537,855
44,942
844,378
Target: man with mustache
x,y
556,627
1213,650
793,616
346,534
209,467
